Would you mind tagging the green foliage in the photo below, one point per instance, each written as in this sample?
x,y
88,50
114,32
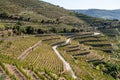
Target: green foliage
x,y
1,41
39,75
48,72
107,68
53,30
29,30
4,14
17,28
23,72
3,35
73,30
40,31
12,77
34,16
2,77
7,72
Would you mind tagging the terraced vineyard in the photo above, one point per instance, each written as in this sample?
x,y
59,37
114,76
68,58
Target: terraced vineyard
x,y
16,72
44,57
37,62
15,47
32,74
97,42
79,55
43,63
41,41
53,39
39,58
2,72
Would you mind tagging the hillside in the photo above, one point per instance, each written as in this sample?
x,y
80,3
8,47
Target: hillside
x,y
42,41
106,14
38,10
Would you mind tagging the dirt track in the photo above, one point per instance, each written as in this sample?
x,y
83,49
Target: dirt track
x,y
66,64
27,51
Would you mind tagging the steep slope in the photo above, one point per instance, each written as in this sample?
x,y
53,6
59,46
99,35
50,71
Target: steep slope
x,y
37,9
86,56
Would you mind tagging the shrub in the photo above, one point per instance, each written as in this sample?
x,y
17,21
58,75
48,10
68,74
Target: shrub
x,y
29,30
4,15
108,68
40,31
1,41
53,30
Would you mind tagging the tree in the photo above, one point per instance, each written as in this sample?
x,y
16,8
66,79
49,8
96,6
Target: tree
x,y
29,30
4,15
3,35
17,28
64,30
73,30
28,19
53,30
40,31
43,21
9,33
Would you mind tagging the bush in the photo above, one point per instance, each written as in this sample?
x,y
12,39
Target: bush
x,y
40,31
108,68
53,30
29,30
4,15
1,41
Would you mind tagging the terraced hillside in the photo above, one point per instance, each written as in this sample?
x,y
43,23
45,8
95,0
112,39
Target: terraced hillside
x,y
97,42
37,62
41,41
15,46
42,62
43,57
79,56
36,10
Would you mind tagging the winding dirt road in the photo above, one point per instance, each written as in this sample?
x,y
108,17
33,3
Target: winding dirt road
x,y
66,64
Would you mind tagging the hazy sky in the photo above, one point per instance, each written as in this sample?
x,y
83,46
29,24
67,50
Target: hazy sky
x,y
87,4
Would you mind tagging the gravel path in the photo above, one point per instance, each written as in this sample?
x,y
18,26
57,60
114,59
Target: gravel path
x,y
66,64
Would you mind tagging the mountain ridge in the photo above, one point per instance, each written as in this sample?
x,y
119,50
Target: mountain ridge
x,y
101,13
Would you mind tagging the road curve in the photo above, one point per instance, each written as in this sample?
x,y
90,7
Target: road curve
x,y
66,64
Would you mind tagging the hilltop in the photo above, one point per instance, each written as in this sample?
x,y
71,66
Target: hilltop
x,y
38,14
36,10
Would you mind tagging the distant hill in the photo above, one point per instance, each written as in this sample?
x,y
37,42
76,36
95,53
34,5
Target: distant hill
x,y
99,13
